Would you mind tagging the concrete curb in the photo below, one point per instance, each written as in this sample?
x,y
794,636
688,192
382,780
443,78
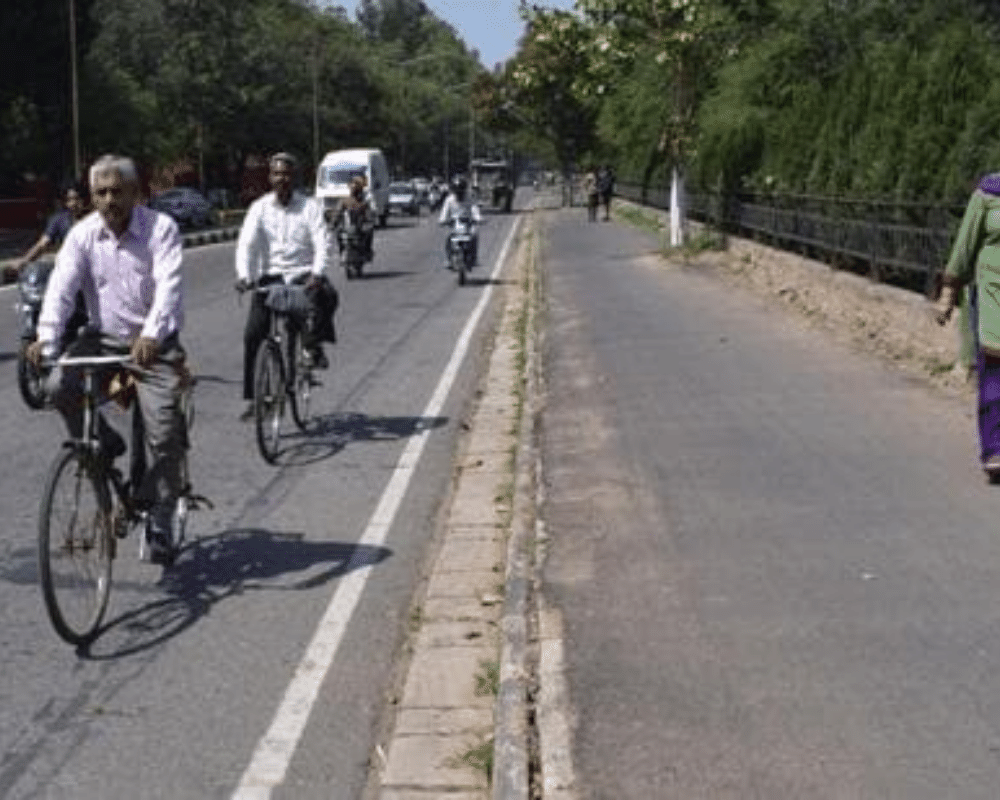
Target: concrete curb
x,y
462,703
210,237
511,772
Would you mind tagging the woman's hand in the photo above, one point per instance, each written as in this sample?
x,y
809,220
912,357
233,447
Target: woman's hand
x,y
945,304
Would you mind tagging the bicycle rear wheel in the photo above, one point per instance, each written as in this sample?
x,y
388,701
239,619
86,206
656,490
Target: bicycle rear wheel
x,y
269,399
75,547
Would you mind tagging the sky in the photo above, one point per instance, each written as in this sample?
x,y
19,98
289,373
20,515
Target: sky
x,y
493,27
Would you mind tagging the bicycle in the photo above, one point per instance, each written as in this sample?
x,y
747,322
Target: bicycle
x,y
87,505
283,368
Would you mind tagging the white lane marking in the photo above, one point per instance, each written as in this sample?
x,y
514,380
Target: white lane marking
x,y
269,763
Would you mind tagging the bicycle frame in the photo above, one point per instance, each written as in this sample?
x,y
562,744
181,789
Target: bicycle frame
x,y
283,375
130,513
90,440
286,332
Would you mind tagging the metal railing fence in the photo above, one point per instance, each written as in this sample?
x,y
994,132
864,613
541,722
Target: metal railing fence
x,y
903,243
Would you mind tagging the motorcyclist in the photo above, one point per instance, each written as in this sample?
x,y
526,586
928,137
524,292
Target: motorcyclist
x,y
457,202
284,238
56,228
126,259
358,205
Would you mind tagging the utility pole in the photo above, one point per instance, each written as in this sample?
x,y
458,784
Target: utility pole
x,y
315,103
77,172
472,135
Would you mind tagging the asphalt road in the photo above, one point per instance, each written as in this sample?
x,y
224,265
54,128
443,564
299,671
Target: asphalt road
x,y
174,697
777,561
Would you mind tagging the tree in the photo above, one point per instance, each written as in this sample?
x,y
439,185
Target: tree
x,y
548,82
675,45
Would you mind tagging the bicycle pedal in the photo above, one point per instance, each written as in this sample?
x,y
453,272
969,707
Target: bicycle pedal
x,y
199,501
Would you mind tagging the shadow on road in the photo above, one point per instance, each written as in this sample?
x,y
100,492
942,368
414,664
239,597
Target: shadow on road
x,y
328,435
383,274
215,568
398,224
471,281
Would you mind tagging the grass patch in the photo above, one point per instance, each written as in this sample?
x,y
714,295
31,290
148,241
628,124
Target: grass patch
x,y
478,758
488,679
639,218
937,367
704,240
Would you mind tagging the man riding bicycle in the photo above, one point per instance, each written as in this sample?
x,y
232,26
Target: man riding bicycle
x,y
284,238
125,259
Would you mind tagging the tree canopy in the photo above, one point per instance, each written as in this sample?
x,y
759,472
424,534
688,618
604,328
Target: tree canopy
x,y
890,98
211,82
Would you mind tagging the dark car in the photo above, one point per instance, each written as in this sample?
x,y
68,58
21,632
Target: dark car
x,y
404,199
188,207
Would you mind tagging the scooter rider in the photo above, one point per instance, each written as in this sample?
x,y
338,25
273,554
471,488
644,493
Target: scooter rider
x,y
359,207
284,238
456,202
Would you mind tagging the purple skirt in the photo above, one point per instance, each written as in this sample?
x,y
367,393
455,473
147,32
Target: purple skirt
x,y
988,369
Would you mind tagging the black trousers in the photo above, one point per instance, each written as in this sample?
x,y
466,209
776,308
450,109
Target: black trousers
x,y
318,328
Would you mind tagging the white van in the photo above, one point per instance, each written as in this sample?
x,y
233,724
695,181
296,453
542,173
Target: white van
x,y
335,172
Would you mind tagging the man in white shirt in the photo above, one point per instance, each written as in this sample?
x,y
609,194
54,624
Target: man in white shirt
x,y
284,238
125,259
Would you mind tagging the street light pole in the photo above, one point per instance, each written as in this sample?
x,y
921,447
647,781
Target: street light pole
x,y
472,135
315,102
73,91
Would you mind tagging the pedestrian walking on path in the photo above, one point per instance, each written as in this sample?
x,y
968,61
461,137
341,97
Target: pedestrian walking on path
x,y
974,265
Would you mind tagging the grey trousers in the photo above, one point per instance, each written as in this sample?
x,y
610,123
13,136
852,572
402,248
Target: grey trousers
x,y
158,391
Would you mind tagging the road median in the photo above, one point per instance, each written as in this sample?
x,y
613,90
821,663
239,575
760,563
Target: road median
x,y
460,720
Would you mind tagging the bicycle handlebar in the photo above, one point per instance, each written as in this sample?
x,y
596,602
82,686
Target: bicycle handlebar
x,y
124,359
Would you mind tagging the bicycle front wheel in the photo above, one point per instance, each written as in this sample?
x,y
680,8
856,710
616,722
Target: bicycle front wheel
x,y
300,390
75,547
269,399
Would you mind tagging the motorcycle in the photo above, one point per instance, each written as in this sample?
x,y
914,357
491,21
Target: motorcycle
x,y
461,244
351,244
31,285
31,290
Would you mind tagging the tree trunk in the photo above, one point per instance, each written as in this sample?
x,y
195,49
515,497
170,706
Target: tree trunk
x,y
678,206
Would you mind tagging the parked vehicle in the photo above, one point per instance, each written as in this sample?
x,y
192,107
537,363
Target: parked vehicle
x,y
189,207
335,172
404,199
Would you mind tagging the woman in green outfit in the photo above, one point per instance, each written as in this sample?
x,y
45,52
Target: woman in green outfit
x,y
975,264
